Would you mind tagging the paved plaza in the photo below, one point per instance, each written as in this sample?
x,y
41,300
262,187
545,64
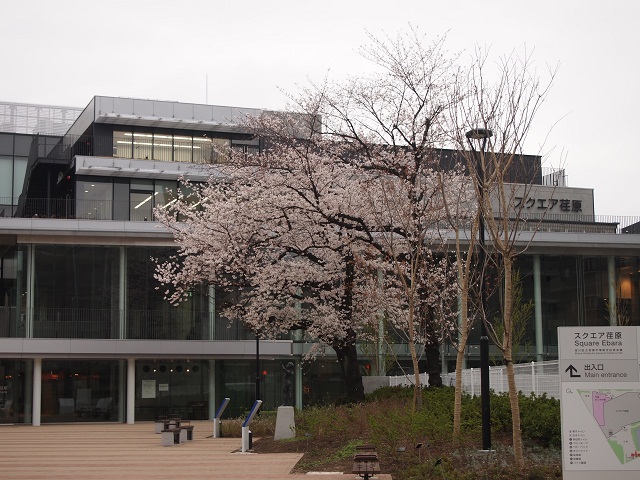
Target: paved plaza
x,y
134,452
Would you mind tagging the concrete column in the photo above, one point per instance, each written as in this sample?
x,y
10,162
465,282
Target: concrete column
x,y
37,391
613,300
131,390
537,307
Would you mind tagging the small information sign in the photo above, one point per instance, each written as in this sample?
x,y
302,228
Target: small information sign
x,y
600,402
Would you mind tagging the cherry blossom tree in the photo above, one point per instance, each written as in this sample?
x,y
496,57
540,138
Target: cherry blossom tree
x,y
395,123
244,230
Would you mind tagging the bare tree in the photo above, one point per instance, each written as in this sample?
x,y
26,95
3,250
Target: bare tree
x,y
463,217
507,107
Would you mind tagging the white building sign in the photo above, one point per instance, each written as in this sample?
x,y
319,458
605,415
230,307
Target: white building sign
x,y
600,402
148,389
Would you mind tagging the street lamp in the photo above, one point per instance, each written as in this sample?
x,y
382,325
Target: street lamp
x,y
482,135
258,365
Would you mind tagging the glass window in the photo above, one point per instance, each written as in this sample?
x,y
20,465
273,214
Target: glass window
x,y
214,150
6,144
172,386
182,147
76,291
141,200
94,199
628,291
19,171
82,391
202,150
13,384
561,303
121,199
122,144
165,191
6,180
162,147
23,145
143,145
596,291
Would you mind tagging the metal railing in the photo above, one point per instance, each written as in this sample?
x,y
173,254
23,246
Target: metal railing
x,y
195,150
169,324
536,377
125,210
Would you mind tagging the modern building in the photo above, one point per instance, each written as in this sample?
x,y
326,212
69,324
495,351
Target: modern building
x,y
85,335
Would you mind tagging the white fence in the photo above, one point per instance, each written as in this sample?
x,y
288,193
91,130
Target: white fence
x,y
534,377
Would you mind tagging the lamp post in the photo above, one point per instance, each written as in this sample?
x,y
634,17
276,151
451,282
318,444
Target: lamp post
x,y
482,135
258,365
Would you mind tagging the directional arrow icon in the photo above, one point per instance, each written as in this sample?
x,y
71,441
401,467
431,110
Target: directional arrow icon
x,y
573,372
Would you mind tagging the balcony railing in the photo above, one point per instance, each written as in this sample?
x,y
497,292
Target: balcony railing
x,y
86,209
196,149
172,324
125,210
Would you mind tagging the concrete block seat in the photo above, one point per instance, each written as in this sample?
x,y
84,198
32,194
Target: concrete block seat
x,y
171,437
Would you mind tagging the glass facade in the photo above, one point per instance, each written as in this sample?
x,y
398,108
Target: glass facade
x,y
14,155
103,198
187,387
172,387
149,315
168,147
15,390
109,292
88,390
76,291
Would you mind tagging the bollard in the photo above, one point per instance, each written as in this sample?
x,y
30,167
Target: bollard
x,y
217,422
245,426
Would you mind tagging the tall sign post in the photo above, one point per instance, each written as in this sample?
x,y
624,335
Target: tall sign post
x,y
600,402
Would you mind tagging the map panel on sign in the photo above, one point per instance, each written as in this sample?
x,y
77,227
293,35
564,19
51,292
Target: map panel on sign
x,y
617,413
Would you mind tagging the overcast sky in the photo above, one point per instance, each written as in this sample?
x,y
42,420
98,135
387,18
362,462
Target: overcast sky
x,y
63,52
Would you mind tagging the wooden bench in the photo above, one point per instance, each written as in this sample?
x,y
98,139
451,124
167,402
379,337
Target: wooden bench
x,y
365,462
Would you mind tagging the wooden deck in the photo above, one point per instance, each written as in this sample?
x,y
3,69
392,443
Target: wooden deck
x,y
134,452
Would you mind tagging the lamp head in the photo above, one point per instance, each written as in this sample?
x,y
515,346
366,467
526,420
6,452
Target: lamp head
x,y
479,134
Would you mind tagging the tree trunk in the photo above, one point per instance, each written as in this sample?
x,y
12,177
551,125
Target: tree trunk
x,y
348,359
462,345
434,365
507,349
515,415
346,350
417,387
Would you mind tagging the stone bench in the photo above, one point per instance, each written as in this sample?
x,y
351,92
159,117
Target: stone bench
x,y
171,437
175,435
188,428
